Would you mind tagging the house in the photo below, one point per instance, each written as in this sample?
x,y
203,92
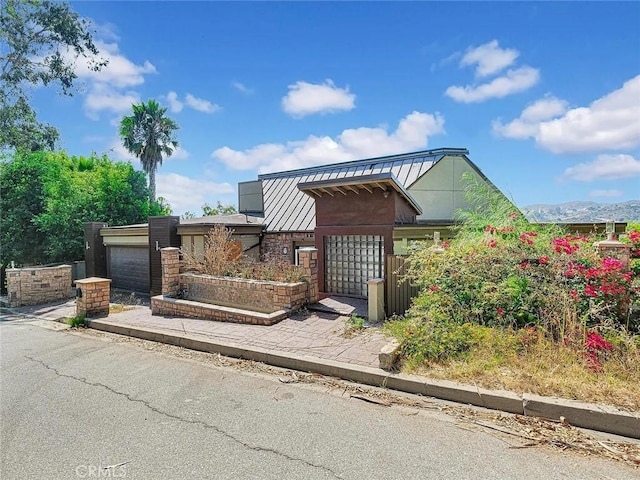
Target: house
x,y
358,213
130,255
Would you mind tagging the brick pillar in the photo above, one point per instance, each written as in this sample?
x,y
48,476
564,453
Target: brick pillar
x,y
308,259
170,257
93,297
615,249
621,251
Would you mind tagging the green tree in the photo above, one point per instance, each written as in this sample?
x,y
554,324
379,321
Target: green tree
x,y
41,41
47,197
219,209
149,135
23,183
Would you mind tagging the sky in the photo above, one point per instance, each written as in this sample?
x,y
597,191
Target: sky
x,y
544,95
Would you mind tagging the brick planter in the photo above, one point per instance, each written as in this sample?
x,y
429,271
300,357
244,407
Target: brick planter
x,y
260,296
232,299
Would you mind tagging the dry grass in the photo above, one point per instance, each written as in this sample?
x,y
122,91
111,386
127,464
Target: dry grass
x,y
546,368
118,308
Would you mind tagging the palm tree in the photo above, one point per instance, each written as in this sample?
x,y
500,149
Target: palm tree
x,y
149,135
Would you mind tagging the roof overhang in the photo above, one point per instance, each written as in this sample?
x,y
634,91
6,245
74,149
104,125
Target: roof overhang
x,y
363,183
126,235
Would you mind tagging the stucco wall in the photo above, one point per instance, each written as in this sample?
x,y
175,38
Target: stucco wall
x,y
441,191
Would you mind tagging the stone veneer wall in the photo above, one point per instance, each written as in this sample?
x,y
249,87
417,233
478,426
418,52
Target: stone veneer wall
x,y
35,285
280,299
274,243
93,297
185,308
266,297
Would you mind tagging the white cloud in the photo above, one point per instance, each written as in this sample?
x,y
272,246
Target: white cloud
x,y
242,88
308,98
605,167
605,193
489,58
413,133
105,31
117,151
527,124
175,105
609,123
513,82
188,194
109,89
119,72
179,154
101,97
200,104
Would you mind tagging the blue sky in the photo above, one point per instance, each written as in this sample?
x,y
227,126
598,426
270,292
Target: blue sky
x,y
545,95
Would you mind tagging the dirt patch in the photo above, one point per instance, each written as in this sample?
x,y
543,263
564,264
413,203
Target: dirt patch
x,y
129,298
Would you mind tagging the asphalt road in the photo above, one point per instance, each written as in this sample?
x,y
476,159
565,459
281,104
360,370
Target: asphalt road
x,y
78,406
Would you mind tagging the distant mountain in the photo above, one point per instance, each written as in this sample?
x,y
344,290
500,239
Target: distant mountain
x,y
584,212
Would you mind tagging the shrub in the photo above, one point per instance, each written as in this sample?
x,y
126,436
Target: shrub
x,y
77,321
222,256
501,273
508,273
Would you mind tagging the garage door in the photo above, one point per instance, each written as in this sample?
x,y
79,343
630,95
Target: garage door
x,y
350,261
129,268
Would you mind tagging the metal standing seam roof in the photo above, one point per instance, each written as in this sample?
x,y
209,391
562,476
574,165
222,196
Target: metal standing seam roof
x,y
287,209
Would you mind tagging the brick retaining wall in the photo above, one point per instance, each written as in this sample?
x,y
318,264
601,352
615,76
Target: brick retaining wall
x,y
260,296
161,305
233,299
36,285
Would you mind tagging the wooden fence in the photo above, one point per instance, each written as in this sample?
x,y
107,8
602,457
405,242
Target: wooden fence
x,y
399,292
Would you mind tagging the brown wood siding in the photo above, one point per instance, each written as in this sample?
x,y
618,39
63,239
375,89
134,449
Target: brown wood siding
x,y
405,213
398,293
355,209
163,232
95,256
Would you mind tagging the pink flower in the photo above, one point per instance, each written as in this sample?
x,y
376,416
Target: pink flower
x,y
434,288
544,259
500,311
590,291
493,243
513,215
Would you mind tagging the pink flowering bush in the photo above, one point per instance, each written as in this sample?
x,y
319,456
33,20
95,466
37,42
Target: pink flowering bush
x,y
500,270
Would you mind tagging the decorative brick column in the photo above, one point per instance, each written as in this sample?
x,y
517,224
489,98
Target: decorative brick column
x,y
308,259
170,258
93,297
615,249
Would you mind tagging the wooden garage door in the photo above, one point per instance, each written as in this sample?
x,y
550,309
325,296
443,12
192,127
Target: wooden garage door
x,y
351,261
129,268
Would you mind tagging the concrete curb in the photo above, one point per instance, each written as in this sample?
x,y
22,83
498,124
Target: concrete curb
x,y
586,415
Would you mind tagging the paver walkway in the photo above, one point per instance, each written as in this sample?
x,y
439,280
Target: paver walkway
x,y
314,334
